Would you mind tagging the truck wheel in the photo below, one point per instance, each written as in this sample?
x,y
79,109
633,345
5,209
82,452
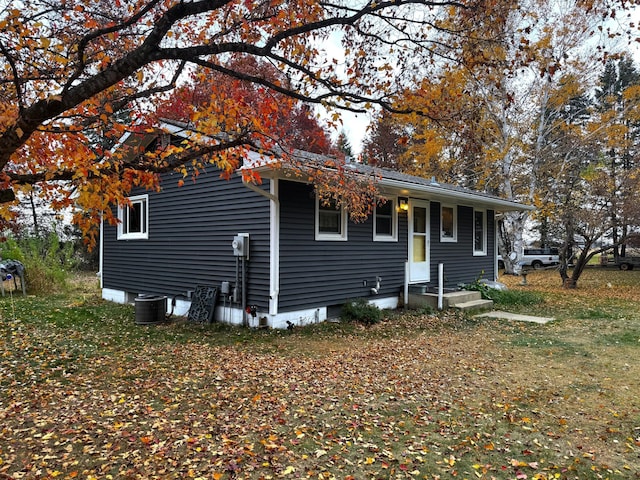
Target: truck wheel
x,y
537,264
625,266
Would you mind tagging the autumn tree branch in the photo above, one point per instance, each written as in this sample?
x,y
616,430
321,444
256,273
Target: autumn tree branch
x,y
82,84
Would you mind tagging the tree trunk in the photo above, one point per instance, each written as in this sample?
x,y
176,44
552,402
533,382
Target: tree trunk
x,y
581,263
510,240
36,227
562,269
566,252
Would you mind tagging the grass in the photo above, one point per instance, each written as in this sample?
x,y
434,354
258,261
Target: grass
x,y
86,393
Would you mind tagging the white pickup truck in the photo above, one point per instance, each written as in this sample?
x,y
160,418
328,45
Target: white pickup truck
x,y
536,258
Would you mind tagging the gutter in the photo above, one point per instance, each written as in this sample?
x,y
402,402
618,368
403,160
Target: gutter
x,y
407,188
437,191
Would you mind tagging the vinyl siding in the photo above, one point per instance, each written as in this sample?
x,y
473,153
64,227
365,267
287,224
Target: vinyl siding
x,y
460,265
190,233
325,273
191,229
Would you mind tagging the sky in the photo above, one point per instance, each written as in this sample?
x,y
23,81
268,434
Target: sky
x,y
355,125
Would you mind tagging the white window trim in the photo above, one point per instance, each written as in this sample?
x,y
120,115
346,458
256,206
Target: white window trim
x,y
453,239
144,199
394,223
483,252
332,237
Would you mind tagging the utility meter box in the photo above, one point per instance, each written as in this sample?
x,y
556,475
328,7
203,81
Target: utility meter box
x,y
240,245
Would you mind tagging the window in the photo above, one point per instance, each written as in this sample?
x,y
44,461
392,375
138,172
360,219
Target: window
x,y
331,221
448,224
385,221
134,219
479,232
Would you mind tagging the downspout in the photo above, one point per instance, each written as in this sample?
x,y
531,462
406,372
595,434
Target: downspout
x,y
274,240
405,291
440,285
496,217
245,313
101,252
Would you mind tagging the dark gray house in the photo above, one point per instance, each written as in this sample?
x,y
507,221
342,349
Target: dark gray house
x,y
276,248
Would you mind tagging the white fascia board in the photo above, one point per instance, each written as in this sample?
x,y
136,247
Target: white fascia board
x,y
187,133
435,192
175,129
252,159
429,192
257,161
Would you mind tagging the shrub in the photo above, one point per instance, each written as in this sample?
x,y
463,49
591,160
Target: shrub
x,y
360,310
425,310
504,297
46,262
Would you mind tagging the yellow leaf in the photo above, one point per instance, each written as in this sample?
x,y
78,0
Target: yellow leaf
x,y
289,470
369,460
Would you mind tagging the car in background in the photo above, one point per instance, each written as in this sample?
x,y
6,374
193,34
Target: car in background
x,y
536,258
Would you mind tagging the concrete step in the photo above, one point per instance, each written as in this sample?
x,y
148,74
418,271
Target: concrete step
x,y
462,296
417,300
474,305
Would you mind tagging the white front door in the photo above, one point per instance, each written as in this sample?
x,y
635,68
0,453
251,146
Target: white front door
x,y
419,241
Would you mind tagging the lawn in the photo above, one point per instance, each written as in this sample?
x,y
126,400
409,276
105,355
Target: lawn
x,y
85,393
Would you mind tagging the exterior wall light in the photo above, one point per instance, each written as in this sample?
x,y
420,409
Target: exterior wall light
x,y
404,204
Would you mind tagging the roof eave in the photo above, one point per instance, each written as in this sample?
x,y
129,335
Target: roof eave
x,y
432,191
496,203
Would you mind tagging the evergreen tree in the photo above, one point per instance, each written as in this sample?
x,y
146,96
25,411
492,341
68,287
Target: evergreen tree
x,y
343,145
621,142
384,147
